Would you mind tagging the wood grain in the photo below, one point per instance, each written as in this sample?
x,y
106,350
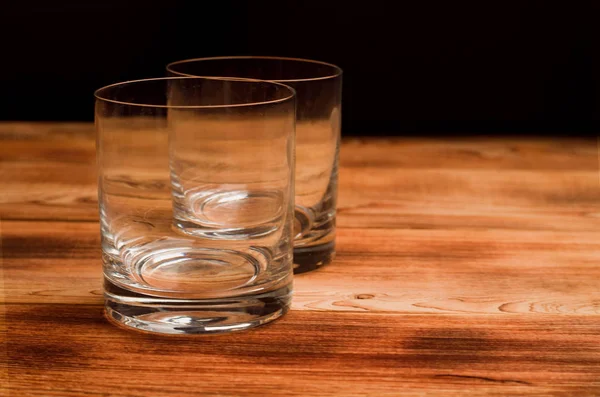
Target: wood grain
x,y
465,266
306,354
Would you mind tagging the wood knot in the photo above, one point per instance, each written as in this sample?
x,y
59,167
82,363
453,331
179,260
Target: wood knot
x,y
364,296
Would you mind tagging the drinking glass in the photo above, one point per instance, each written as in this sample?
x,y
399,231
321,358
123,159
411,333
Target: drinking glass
x,y
318,88
196,194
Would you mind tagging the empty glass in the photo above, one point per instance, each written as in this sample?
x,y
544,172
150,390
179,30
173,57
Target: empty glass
x,y
196,193
318,88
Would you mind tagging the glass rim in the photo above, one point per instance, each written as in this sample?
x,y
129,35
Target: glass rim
x,y
99,97
338,71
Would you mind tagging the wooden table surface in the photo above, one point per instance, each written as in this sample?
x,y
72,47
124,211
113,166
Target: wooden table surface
x,y
465,267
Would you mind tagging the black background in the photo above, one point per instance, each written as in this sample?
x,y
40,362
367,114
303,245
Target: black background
x,y
410,67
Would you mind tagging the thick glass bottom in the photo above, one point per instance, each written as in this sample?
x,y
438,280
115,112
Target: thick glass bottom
x,y
307,259
193,316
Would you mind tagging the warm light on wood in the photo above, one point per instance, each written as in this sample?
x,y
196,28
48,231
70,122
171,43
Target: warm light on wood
x,y
464,267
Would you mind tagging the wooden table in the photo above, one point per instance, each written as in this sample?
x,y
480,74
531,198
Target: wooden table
x,y
464,266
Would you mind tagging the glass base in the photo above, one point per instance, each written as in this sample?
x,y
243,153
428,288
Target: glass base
x,y
193,316
307,259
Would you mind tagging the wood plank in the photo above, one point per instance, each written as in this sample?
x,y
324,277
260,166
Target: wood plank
x,y
400,182
47,171
367,197
483,152
4,377
409,271
465,266
316,353
467,199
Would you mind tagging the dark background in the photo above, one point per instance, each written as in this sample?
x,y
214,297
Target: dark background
x,y
410,67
